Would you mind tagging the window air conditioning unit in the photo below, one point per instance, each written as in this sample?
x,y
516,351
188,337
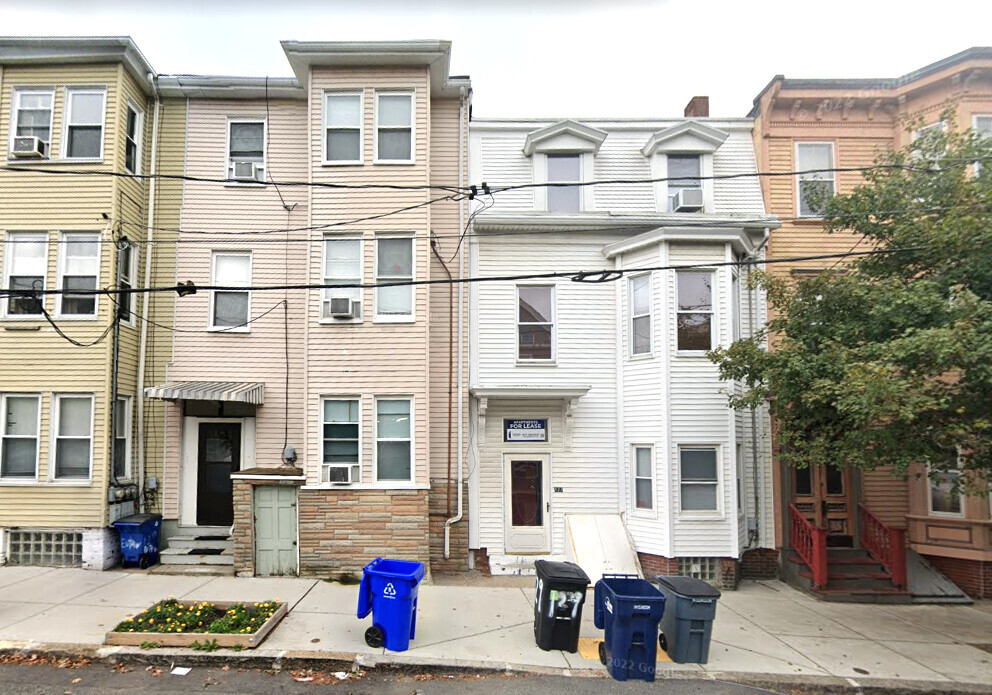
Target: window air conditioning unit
x,y
688,200
343,308
245,171
340,474
29,147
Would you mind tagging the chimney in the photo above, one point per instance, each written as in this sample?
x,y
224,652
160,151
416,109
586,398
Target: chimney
x,y
698,107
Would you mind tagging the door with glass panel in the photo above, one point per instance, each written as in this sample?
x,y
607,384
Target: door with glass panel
x,y
527,503
823,495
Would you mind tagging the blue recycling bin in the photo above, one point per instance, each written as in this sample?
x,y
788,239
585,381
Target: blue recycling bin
x,y
139,539
389,591
629,609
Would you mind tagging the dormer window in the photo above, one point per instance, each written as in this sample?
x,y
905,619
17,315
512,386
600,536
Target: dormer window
x,y
682,162
563,153
564,168
683,175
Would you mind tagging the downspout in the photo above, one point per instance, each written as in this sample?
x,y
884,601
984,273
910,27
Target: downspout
x,y
461,318
755,439
143,340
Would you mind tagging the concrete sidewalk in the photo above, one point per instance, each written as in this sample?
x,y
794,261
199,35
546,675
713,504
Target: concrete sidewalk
x,y
764,630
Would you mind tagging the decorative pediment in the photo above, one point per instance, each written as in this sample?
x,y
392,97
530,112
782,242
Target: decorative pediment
x,y
688,136
564,136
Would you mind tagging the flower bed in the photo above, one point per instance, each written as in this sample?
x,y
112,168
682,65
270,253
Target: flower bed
x,y
174,623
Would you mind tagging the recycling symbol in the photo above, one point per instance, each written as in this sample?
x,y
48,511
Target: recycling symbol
x,y
609,604
390,590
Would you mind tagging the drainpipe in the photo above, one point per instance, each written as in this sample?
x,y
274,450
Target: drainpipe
x,y
755,439
143,340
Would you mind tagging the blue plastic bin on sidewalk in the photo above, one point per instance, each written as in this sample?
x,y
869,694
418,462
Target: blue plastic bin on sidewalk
x,y
629,609
139,539
389,592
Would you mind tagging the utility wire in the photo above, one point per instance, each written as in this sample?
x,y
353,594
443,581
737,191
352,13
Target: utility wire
x,y
110,293
77,343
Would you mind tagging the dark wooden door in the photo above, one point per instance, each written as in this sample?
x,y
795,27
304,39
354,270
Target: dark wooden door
x,y
823,495
219,455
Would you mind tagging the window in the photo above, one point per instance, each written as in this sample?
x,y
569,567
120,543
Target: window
x,y
341,439
128,264
230,308
343,128
735,302
816,185
133,132
640,315
394,127
683,173
394,263
19,436
33,115
695,313
26,268
122,437
739,460
246,145
342,266
564,168
74,437
982,125
945,487
643,478
84,124
393,444
79,270
535,322
698,479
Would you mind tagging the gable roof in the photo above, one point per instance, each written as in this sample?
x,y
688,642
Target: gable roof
x,y
709,137
594,136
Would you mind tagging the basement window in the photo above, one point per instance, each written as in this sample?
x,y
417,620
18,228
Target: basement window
x,y
45,548
705,568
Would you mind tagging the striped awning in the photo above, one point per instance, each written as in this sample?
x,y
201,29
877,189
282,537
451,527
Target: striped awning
x,y
239,391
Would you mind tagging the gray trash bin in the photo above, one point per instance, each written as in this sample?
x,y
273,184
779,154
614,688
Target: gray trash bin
x,y
690,607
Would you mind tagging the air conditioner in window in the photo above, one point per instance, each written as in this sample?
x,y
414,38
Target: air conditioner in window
x,y
29,147
245,171
688,200
340,474
343,308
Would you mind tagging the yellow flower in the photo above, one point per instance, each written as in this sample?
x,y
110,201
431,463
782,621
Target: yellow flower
x,y
144,611
131,630
128,619
151,621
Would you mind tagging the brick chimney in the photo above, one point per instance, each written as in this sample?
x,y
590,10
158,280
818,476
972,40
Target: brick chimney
x,y
698,107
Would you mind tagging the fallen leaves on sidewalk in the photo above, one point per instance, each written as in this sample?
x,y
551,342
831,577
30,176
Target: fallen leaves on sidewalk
x,y
35,659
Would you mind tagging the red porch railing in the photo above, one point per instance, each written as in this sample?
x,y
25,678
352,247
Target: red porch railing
x,y
884,543
810,543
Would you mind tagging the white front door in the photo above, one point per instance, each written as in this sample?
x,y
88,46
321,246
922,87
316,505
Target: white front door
x,y
527,503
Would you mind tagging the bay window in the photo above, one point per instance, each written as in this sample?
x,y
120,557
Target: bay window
x,y
84,123
25,269
698,479
79,269
695,310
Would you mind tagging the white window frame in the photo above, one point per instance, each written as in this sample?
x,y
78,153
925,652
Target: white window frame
x,y
139,135
395,318
961,496
699,184
412,439
15,110
716,513
53,448
412,94
229,172
323,421
799,177
580,156
651,511
649,315
554,324
360,93
8,269
130,300
67,123
714,292
62,259
736,330
128,424
17,480
978,165
215,253
326,293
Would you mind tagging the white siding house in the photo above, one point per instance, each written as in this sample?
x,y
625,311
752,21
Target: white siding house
x,y
597,398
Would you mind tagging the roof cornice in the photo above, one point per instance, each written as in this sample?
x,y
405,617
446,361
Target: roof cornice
x,y
78,50
220,87
593,136
711,137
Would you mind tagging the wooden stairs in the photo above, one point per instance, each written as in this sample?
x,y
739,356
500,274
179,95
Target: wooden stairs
x,y
853,576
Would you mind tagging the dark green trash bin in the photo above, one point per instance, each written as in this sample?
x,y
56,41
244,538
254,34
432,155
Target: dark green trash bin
x,y
690,607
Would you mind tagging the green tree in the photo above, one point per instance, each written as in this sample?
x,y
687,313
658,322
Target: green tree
x,y
887,360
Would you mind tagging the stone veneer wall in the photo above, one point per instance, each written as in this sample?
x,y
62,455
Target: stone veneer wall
x,y
243,531
458,542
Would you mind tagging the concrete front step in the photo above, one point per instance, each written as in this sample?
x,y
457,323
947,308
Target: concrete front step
x,y
195,570
201,541
196,556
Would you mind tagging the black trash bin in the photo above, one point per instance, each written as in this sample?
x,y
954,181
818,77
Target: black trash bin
x,y
686,627
561,591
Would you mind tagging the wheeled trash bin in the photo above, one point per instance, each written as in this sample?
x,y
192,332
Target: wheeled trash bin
x,y
628,608
688,622
561,591
139,539
389,591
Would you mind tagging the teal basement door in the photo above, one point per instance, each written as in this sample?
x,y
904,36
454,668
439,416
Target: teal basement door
x,y
275,530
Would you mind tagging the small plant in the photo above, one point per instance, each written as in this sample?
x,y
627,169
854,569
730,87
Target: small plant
x,y
205,646
175,617
145,644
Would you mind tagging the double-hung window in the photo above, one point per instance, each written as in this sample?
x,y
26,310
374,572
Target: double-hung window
x,y
342,442
84,123
535,323
698,479
982,125
564,168
26,266
643,478
122,437
246,150
815,181
394,127
683,174
74,437
342,266
695,309
19,436
640,314
343,128
945,487
33,115
230,308
133,133
394,264
128,264
79,269
394,440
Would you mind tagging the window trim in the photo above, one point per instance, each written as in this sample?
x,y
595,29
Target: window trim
x,y
131,299
978,165
7,268
714,328
960,494
580,190
361,442
229,170
360,93
798,176
701,514
522,361
67,123
631,354
53,447
412,94
60,274
651,511
360,238
211,328
412,482
15,109
128,445
15,480
139,135
669,208
395,318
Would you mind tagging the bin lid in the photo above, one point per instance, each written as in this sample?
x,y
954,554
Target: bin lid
x,y
561,572
138,519
688,586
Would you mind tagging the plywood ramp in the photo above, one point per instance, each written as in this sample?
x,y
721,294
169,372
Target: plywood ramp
x,y
600,544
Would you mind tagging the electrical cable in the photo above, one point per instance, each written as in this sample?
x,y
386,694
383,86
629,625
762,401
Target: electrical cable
x,y
226,329
103,336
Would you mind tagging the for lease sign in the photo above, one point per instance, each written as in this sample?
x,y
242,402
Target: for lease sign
x,y
518,430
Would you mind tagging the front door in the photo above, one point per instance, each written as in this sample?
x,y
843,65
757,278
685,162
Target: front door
x,y
823,495
275,530
527,504
218,455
